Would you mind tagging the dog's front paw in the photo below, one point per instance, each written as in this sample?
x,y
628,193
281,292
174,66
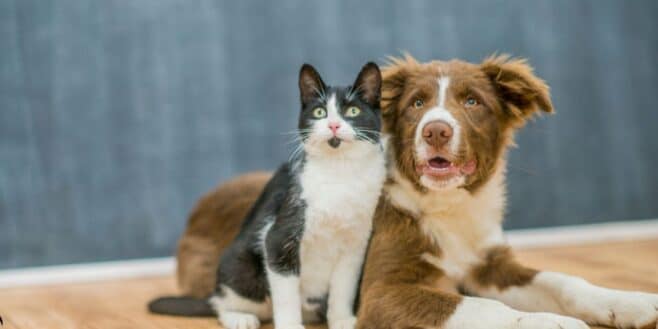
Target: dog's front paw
x,y
631,310
480,313
622,309
345,323
548,321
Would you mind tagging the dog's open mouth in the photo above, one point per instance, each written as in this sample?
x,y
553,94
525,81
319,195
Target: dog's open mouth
x,y
442,168
439,163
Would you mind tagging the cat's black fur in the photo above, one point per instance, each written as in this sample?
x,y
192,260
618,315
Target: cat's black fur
x,y
242,266
368,99
244,256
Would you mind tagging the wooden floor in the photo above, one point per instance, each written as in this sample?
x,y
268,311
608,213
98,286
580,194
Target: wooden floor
x,y
121,304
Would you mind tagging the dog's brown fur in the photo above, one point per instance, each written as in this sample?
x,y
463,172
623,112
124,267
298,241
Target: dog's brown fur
x,y
502,270
394,272
404,284
507,91
400,289
212,225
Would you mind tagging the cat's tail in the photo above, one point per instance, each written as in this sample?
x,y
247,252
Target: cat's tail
x,y
181,306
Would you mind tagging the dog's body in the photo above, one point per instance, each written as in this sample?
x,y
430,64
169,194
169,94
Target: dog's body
x,y
437,237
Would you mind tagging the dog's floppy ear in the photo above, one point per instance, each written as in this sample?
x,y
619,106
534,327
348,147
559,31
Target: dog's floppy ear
x,y
521,92
368,84
394,76
311,85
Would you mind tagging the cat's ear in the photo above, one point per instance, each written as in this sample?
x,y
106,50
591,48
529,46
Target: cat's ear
x,y
368,84
311,85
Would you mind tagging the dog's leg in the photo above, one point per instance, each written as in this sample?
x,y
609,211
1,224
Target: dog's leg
x,y
415,306
502,278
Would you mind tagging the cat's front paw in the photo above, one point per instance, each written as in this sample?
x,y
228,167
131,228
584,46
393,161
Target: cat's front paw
x,y
623,309
239,320
345,323
289,326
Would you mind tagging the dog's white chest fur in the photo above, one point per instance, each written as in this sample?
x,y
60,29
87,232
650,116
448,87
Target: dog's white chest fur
x,y
462,224
341,196
463,241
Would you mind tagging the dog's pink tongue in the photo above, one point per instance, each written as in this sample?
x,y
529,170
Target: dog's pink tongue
x,y
469,167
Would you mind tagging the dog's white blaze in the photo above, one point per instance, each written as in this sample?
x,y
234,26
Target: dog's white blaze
x,y
443,88
466,225
439,112
482,313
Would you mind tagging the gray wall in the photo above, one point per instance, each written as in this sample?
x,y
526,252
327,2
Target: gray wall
x,y
115,116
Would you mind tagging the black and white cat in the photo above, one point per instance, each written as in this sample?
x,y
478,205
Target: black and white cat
x,y
299,254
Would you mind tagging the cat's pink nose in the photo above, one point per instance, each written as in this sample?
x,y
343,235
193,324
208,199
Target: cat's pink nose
x,y
334,126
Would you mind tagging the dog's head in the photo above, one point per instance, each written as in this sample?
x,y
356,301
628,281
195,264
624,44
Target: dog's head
x,y
450,122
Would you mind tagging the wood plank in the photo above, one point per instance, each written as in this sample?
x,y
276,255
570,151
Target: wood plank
x,y
122,304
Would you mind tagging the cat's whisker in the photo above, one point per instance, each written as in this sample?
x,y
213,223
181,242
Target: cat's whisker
x,y
299,138
297,131
323,185
372,132
365,137
296,152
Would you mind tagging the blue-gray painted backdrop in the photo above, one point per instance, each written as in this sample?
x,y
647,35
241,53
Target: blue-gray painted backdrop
x,y
115,116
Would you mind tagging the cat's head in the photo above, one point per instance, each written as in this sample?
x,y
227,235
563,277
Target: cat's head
x,y
340,119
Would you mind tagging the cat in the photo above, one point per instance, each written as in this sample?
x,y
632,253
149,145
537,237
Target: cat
x,y
299,254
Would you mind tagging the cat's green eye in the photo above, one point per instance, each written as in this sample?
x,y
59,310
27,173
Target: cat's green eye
x,y
319,113
352,111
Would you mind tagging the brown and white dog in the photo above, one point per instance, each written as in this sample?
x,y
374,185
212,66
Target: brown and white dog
x,y
438,240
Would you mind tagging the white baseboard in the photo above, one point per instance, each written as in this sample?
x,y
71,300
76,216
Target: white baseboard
x,y
527,238
583,234
87,272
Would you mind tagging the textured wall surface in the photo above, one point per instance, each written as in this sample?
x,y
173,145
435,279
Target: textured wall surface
x,y
115,116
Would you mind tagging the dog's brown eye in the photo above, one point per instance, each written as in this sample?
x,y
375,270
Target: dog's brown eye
x,y
471,101
418,103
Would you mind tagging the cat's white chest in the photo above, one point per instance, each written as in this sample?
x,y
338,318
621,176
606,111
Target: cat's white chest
x,y
341,194
340,202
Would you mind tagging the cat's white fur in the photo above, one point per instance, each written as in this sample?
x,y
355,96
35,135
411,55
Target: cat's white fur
x,y
341,187
250,312
341,196
341,192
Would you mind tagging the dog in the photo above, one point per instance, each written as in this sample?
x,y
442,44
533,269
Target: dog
x,y
438,257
